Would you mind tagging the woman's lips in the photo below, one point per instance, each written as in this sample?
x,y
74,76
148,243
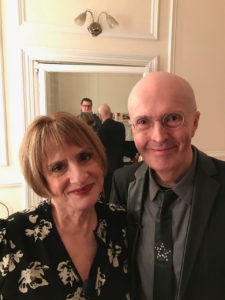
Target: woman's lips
x,y
85,189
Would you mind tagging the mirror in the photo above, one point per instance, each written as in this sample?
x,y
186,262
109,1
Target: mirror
x,y
57,79
61,87
63,91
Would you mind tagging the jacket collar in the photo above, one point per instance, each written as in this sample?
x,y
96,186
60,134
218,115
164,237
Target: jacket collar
x,y
205,193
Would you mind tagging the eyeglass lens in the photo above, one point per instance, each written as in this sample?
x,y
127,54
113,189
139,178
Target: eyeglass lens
x,y
171,120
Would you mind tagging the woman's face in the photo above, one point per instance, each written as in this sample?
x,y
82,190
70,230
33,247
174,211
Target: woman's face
x,y
73,175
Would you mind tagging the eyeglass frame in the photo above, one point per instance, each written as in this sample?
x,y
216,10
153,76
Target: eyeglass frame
x,y
84,105
161,121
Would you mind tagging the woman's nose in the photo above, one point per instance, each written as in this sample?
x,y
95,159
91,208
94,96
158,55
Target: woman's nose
x,y
77,173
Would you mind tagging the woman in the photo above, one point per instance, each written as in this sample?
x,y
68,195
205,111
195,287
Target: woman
x,y
71,246
88,118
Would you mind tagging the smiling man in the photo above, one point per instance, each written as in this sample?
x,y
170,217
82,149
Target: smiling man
x,y
175,199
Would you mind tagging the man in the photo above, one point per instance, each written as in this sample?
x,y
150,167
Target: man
x,y
164,119
86,105
112,135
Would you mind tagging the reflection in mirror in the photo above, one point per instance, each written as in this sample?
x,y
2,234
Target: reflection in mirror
x,y
64,91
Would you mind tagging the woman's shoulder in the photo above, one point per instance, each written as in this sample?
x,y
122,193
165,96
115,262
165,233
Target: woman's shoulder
x,y
16,222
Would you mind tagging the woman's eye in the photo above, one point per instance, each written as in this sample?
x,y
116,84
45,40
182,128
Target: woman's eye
x,y
84,156
57,168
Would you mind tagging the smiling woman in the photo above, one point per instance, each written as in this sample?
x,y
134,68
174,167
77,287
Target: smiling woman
x,y
72,245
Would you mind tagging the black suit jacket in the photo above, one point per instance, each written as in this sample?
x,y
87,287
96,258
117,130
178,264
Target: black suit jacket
x,y
203,268
112,135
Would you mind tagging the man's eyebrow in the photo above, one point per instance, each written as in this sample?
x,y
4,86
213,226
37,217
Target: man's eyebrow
x,y
142,117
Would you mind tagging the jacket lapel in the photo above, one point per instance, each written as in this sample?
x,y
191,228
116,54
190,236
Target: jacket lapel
x,y
136,193
205,192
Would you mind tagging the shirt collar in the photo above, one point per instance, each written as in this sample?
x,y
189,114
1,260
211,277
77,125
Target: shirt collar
x,y
183,188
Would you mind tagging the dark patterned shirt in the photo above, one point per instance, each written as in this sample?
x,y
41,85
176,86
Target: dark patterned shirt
x,y
34,263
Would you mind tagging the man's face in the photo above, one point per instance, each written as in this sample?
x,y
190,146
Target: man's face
x,y
166,150
86,106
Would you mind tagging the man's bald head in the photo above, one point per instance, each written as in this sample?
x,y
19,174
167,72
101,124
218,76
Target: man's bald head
x,y
104,112
162,84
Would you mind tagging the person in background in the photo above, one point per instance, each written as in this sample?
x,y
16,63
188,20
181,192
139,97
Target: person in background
x,y
112,135
88,118
175,199
86,105
71,246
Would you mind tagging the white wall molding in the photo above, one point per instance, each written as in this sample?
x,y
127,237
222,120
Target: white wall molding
x,y
172,35
54,55
21,12
12,185
151,35
3,140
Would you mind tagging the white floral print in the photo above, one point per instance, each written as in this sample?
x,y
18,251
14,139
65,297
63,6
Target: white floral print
x,y
2,235
33,277
41,230
8,263
33,219
101,231
114,207
34,262
66,273
76,295
100,281
113,253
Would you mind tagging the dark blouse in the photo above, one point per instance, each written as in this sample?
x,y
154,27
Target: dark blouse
x,y
34,263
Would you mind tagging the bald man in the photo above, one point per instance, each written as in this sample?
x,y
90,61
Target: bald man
x,y
184,259
112,135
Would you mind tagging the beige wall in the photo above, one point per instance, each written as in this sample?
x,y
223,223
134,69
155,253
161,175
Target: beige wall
x,y
199,57
195,49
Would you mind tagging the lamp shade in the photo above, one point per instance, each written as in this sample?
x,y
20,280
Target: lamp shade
x,y
81,18
95,28
111,21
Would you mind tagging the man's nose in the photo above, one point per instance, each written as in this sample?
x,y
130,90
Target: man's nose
x,y
158,132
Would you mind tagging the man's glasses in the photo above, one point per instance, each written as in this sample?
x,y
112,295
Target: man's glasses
x,y
88,106
170,120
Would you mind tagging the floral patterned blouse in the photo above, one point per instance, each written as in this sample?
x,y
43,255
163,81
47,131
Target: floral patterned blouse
x,y
34,263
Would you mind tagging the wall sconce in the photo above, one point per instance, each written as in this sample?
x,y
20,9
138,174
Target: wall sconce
x,y
95,28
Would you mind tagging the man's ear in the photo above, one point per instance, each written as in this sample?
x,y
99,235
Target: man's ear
x,y
196,120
